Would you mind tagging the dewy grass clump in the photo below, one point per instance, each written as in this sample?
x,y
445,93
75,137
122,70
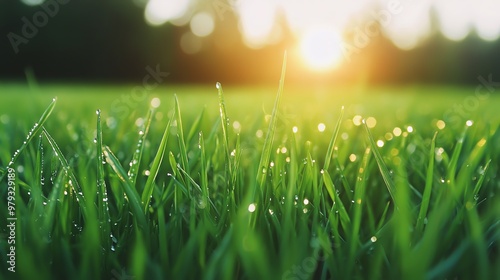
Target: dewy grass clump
x,y
193,195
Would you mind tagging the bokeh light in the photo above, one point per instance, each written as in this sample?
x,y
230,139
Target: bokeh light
x,y
257,19
455,24
158,12
202,24
32,2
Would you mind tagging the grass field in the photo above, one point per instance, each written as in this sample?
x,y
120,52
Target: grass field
x,y
401,183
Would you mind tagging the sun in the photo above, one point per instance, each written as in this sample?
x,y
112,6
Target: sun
x,y
321,48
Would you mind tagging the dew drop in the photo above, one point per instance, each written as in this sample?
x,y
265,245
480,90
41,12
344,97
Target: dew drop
x,y
251,208
321,127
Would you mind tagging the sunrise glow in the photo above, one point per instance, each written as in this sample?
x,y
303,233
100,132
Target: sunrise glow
x,y
321,48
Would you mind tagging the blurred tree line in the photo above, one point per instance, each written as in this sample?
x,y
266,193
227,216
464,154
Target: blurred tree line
x,y
109,41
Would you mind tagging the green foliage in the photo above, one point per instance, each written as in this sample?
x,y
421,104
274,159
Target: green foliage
x,y
246,195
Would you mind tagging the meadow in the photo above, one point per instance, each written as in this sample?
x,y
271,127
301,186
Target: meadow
x,y
206,182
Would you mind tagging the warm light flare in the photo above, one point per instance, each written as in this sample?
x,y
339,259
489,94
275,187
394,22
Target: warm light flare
x,y
321,48
263,22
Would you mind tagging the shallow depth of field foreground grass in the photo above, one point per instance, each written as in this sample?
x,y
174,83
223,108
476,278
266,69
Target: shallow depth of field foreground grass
x,y
239,189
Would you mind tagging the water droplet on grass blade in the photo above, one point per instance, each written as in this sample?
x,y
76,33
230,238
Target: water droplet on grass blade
x,y
155,102
218,85
251,208
380,143
259,133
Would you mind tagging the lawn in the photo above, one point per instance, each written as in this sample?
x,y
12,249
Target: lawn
x,y
196,182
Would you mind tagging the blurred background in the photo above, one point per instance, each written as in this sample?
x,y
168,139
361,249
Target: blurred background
x,y
243,41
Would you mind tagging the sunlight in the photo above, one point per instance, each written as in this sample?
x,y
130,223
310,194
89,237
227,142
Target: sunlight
x,y
407,24
202,24
454,23
257,20
410,25
321,49
487,21
158,12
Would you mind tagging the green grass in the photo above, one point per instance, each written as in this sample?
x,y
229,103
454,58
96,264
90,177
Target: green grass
x,y
218,184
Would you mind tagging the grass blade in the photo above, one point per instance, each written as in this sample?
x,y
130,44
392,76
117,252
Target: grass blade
x,y
155,167
36,189
55,194
102,195
359,197
344,217
452,167
470,164
386,175
225,124
130,191
180,135
204,167
136,158
428,187
73,181
37,127
333,140
479,183
268,143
